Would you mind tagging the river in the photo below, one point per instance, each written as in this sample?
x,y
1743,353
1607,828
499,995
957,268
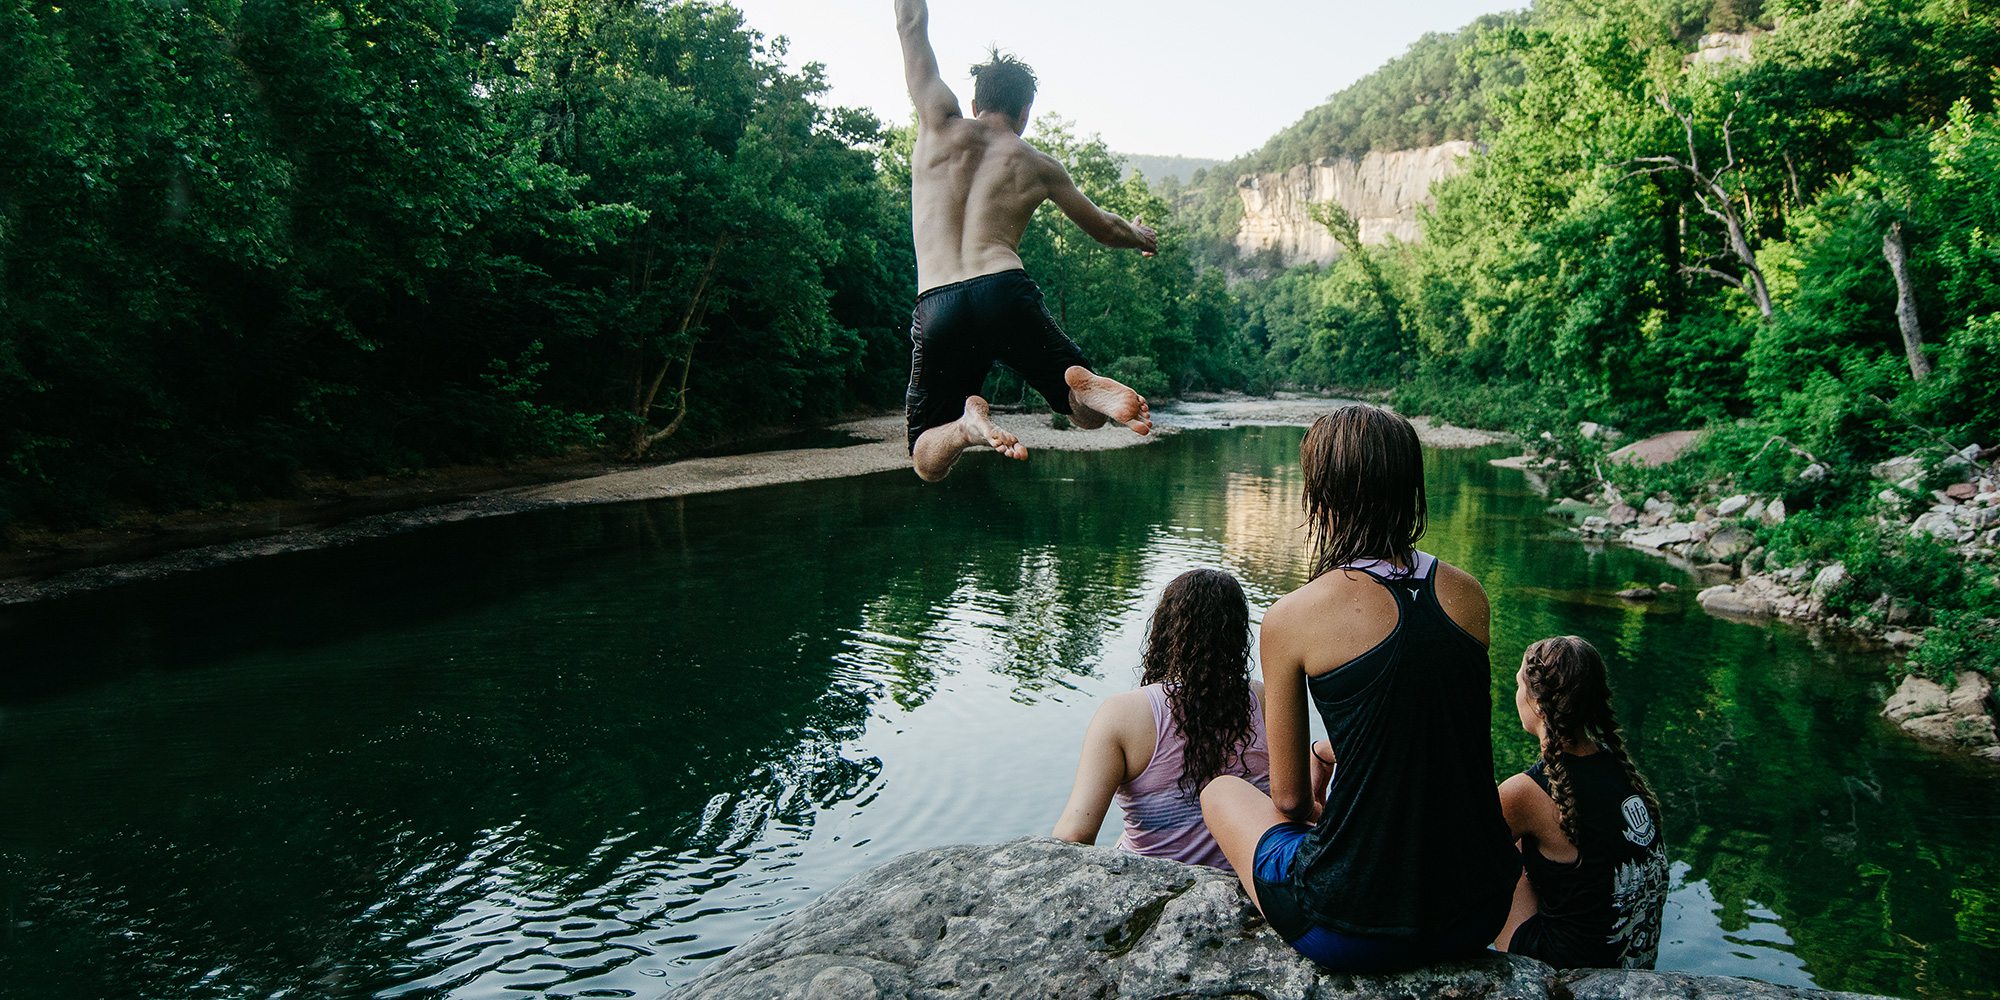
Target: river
x,y
579,753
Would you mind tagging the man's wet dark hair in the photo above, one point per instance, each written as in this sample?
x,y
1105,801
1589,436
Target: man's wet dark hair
x,y
1004,84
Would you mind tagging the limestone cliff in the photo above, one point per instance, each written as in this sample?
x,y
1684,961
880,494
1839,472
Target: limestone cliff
x,y
1723,47
1382,190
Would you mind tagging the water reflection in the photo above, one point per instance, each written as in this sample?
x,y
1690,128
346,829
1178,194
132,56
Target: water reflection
x,y
581,753
1701,938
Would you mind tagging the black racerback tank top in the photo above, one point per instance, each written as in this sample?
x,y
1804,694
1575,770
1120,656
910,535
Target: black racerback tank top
x,y
1411,837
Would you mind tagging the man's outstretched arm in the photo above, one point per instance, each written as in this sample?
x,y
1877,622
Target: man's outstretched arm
x,y
934,100
1108,228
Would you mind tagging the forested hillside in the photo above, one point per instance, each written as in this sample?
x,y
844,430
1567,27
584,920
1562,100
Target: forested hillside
x,y
1797,251
1159,170
242,240
1657,241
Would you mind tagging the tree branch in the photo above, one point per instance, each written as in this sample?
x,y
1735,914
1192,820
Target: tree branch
x,y
1726,278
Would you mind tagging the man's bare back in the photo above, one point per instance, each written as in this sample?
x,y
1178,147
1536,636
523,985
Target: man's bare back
x,y
975,186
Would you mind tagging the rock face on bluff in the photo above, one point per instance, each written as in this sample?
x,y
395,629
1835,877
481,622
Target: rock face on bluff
x,y
1382,190
1041,918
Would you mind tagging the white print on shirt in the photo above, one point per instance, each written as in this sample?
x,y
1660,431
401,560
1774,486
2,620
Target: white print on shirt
x,y
1638,897
1638,821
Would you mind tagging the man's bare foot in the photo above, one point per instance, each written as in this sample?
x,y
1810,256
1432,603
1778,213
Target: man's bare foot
x,y
979,429
1109,397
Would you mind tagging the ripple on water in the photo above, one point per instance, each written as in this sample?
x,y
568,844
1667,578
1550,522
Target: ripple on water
x,y
1699,937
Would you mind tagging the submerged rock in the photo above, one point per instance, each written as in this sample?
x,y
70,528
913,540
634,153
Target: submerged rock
x,y
1639,594
1045,919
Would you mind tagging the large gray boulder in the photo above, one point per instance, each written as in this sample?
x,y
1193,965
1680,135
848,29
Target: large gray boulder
x,y
1928,710
1660,536
1045,919
1656,450
1726,544
1728,599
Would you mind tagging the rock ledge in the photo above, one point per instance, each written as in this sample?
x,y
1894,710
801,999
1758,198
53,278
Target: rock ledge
x,y
1041,918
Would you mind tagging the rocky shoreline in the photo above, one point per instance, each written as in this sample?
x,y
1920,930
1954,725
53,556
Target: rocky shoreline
x,y
883,451
1719,533
1041,918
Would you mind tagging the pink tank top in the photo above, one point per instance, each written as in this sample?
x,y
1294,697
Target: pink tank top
x,y
1162,822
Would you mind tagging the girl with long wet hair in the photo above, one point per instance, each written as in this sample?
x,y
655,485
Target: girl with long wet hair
x,y
1589,827
1403,859
1195,716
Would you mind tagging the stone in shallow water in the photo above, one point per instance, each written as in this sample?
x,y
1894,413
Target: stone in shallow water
x,y
1928,710
1725,599
1962,730
1041,918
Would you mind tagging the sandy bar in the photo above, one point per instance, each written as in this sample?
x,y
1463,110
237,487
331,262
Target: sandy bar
x,y
884,453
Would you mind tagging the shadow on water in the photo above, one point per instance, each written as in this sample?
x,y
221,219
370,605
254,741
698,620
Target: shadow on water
x,y
582,752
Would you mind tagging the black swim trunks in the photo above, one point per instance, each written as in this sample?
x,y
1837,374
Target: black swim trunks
x,y
959,330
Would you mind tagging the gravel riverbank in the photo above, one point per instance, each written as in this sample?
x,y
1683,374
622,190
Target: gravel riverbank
x,y
883,451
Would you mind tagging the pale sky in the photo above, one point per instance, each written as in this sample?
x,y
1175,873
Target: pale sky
x,y
1212,78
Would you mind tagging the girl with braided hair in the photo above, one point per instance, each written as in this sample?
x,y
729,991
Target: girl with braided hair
x,y
1197,715
1588,826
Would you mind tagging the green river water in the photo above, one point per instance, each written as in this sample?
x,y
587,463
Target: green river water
x,y
581,753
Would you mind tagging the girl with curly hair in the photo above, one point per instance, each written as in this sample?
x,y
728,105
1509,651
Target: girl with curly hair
x,y
1588,825
1197,715
1404,859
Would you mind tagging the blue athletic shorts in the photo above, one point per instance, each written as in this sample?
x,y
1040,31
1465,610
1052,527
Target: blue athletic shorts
x,y
1337,951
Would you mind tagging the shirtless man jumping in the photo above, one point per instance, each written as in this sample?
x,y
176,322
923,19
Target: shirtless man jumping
x,y
976,184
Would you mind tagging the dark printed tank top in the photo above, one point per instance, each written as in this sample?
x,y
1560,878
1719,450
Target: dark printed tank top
x,y
1602,910
1411,837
